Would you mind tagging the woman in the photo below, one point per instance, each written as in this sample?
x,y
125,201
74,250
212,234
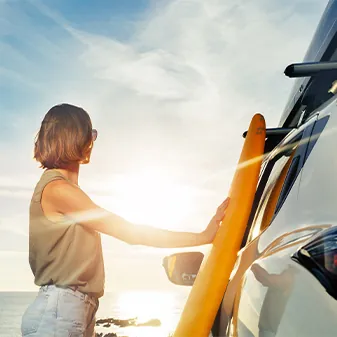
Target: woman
x,y
65,252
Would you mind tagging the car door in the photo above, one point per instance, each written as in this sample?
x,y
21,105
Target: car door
x,y
278,182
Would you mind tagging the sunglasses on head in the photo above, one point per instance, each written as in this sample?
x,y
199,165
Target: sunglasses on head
x,y
94,134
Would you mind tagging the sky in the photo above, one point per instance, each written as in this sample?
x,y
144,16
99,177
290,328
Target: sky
x,y
170,86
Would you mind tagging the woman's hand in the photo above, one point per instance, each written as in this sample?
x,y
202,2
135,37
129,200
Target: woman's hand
x,y
213,226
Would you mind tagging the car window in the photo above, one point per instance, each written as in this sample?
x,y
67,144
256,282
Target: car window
x,y
277,172
278,176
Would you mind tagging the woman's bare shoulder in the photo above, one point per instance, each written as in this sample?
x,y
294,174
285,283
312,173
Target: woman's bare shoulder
x,y
66,197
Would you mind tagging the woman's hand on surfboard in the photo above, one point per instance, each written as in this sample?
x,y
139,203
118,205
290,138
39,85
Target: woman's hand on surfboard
x,y
213,226
220,213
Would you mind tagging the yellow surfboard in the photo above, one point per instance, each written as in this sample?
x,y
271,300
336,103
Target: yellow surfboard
x,y
210,284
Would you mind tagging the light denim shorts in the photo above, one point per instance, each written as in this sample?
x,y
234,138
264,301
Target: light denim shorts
x,y
60,312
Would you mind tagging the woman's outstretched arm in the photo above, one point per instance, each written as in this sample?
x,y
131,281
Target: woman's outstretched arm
x,y
64,198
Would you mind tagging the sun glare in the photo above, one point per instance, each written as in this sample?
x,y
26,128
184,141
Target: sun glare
x,y
145,305
150,197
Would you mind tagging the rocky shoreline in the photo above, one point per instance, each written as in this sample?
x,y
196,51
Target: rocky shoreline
x,y
122,323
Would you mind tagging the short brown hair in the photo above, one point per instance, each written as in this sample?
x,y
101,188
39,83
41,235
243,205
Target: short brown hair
x,y
64,138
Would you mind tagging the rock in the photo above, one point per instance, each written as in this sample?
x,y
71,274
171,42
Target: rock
x,y
118,322
124,322
110,334
104,320
107,322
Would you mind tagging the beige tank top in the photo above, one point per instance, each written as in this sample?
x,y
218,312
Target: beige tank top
x,y
63,253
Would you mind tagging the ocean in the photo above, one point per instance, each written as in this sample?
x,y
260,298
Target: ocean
x,y
147,307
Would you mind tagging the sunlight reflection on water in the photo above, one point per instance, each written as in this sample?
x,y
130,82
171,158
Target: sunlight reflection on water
x,y
145,306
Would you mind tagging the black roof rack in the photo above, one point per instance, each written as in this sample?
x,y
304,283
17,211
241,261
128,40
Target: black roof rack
x,y
309,68
273,137
279,132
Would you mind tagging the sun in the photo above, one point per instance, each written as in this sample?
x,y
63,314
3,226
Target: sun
x,y
154,198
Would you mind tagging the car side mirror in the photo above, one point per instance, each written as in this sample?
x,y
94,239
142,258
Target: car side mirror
x,y
182,268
